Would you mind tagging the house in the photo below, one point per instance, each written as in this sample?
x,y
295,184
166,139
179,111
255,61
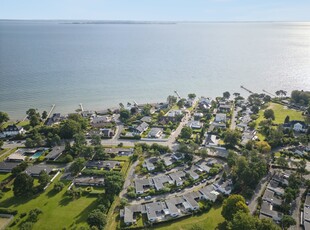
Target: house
x,y
13,130
35,170
149,163
107,132
208,193
203,166
224,108
7,166
274,186
177,177
155,211
160,181
198,115
178,156
224,187
119,151
89,181
171,208
211,140
129,213
55,153
192,173
220,118
107,165
297,126
192,198
195,124
56,117
205,103
146,119
267,211
247,136
101,121
142,184
173,116
167,160
270,197
88,113
140,128
155,133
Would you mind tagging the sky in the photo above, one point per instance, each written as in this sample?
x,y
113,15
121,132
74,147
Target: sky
x,y
158,10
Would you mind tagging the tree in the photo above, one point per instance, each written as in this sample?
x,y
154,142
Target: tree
x,y
287,221
43,179
186,132
171,99
1,144
263,147
181,103
232,205
33,215
23,185
123,202
191,96
124,114
242,221
44,115
58,186
79,140
226,95
113,183
95,140
77,166
69,128
146,111
97,218
287,119
4,117
231,137
26,226
19,168
269,114
34,120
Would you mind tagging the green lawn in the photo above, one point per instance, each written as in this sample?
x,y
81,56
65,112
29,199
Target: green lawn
x,y
280,113
59,211
3,151
7,154
206,221
3,176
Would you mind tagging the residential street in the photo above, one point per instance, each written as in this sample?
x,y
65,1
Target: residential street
x,y
296,211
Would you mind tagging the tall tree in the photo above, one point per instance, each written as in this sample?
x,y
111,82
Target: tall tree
x,y
232,205
269,114
226,95
191,96
23,185
4,117
43,179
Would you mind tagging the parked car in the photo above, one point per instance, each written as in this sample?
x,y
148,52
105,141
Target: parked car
x,y
147,197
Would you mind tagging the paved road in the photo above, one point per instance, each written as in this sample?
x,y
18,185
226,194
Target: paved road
x,y
296,212
129,178
233,118
259,191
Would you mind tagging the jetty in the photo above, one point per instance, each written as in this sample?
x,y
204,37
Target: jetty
x,y
242,87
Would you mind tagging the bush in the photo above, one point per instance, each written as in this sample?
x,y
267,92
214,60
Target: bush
x,y
26,226
33,215
8,211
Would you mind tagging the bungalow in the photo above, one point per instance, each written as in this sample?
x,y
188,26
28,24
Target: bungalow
x,y
107,132
160,181
56,117
198,115
35,170
220,117
55,153
119,151
208,193
129,213
211,140
270,197
224,187
155,133
267,211
101,121
224,108
191,198
195,124
140,128
178,156
177,177
192,173
146,119
89,181
13,130
203,166
107,165
155,211
205,103
88,113
142,184
274,186
149,163
171,208
7,166
297,126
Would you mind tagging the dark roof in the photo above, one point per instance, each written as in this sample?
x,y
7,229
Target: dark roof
x,y
35,170
56,151
12,128
292,123
7,166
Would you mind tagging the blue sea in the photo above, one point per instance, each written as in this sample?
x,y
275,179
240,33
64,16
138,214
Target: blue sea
x,y
100,65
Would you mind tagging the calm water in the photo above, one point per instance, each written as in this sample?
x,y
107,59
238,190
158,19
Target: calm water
x,y
44,63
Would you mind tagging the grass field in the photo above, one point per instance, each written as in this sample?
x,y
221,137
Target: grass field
x,y
3,176
280,113
7,154
59,211
207,221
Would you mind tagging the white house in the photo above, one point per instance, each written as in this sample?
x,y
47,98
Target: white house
x,y
220,117
13,130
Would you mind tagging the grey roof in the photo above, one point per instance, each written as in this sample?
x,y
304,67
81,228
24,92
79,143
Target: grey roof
x,y
307,213
121,151
266,209
203,166
153,210
102,164
129,212
192,173
12,128
147,119
154,131
171,206
56,151
270,197
141,183
159,181
6,166
177,176
209,193
307,201
142,127
191,198
35,170
89,181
